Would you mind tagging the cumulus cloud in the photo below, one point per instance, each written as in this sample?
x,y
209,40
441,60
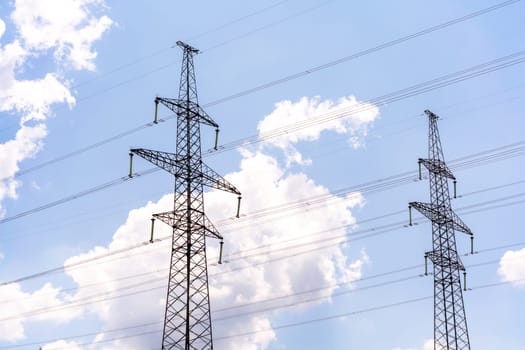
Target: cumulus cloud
x,y
247,277
61,344
65,29
266,256
19,307
345,116
512,267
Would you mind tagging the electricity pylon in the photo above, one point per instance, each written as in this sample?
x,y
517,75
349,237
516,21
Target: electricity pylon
x,y
450,323
187,320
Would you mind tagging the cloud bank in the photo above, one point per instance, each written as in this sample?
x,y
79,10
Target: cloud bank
x,y
64,29
266,256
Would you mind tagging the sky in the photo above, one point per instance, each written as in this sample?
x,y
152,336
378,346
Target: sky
x,y
321,112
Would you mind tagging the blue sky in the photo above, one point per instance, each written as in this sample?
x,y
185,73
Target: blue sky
x,y
77,72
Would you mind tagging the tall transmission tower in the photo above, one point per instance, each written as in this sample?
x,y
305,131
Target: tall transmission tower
x,y
187,320
450,323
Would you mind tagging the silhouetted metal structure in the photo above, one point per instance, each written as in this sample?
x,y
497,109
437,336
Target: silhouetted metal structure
x,y
187,322
450,323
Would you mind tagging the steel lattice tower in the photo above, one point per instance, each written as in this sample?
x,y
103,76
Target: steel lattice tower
x,y
450,323
187,321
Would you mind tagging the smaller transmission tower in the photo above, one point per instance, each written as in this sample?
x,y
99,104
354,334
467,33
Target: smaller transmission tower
x,y
450,323
187,321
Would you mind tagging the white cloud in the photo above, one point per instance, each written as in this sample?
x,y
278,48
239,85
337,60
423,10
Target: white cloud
x,y
512,267
247,277
62,344
66,29
15,304
347,116
2,28
427,345
263,183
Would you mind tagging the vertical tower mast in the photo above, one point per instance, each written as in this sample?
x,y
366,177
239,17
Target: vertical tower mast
x,y
187,321
450,323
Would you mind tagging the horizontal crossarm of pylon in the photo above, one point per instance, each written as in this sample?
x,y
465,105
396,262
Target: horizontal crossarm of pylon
x,y
182,106
444,261
211,179
179,220
164,160
441,216
437,167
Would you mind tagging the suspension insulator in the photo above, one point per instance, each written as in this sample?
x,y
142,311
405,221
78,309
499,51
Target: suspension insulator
x,y
130,165
152,229
220,251
238,207
216,139
155,120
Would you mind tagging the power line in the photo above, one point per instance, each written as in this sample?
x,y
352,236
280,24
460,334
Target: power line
x,y
274,328
133,247
364,52
84,302
103,296
387,306
165,66
269,84
121,180
200,35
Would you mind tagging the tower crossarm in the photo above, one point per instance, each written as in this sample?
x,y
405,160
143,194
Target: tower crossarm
x,y
177,219
187,47
443,261
164,160
183,107
441,216
211,179
437,167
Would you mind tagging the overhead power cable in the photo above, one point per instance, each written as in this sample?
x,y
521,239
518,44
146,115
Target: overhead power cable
x,y
353,313
105,296
488,158
127,249
375,231
323,66
273,328
167,48
273,83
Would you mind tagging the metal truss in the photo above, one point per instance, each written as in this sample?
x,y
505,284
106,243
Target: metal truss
x,y
187,321
450,323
